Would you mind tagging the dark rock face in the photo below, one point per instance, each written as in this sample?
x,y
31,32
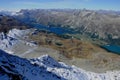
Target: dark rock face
x,y
7,23
10,75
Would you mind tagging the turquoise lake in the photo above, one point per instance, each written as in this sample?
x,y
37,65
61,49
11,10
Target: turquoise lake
x,y
112,48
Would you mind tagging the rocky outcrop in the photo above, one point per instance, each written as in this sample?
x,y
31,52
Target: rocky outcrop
x,y
46,68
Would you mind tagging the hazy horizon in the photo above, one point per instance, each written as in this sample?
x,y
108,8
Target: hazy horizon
x,y
16,5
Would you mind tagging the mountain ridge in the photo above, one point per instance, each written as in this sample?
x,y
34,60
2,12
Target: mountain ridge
x,y
96,24
38,69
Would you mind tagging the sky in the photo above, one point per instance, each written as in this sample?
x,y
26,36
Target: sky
x,y
16,5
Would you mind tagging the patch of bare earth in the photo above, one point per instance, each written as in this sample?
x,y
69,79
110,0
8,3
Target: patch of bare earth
x,y
80,53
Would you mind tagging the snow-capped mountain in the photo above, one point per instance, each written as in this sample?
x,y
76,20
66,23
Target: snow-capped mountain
x,y
46,68
9,13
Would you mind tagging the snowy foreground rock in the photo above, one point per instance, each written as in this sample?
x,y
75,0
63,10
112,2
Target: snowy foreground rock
x,y
46,68
6,41
13,37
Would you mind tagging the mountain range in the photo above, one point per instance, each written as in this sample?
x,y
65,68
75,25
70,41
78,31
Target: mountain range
x,y
96,24
64,38
101,24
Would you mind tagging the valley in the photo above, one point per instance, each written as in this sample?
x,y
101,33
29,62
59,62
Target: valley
x,y
87,39
72,51
103,25
78,52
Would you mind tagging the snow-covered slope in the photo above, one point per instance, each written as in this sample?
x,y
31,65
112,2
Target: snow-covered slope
x,y
14,36
15,68
46,68
6,41
16,33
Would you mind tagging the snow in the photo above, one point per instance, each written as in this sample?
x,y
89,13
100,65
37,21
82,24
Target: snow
x,y
46,68
21,35
18,66
16,33
41,68
10,13
72,72
14,36
6,42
